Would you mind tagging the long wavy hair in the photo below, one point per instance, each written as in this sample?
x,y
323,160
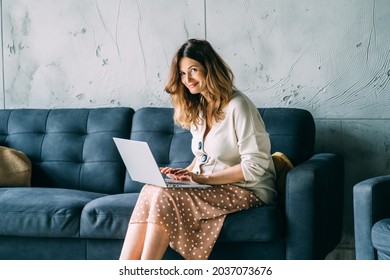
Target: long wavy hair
x,y
191,109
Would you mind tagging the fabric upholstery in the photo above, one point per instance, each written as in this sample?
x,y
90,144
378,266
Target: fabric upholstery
x,y
292,132
70,148
371,204
257,224
103,249
42,248
381,238
282,166
314,206
42,212
108,217
274,250
82,197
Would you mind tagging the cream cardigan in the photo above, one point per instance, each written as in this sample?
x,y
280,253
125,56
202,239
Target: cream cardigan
x,y
239,138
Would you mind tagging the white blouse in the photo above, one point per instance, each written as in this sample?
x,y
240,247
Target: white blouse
x,y
239,138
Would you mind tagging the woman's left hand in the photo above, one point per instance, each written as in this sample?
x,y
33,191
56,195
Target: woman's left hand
x,y
176,173
182,174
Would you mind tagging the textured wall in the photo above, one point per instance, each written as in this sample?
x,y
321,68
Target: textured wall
x,y
329,57
70,53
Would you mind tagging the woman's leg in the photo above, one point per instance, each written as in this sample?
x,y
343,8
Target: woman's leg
x,y
134,242
155,244
144,241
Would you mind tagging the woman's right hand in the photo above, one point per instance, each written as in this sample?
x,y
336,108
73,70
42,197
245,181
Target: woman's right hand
x,y
181,174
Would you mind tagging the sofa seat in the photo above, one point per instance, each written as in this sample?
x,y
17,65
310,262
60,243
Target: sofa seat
x,y
42,212
108,217
381,238
257,224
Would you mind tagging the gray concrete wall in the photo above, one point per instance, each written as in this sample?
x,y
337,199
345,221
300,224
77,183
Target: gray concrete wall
x,y
329,57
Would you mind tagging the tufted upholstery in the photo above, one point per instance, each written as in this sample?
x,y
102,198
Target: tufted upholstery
x,y
69,148
74,161
292,131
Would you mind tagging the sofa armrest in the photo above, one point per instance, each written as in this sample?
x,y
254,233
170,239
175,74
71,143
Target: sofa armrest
x,y
314,207
371,204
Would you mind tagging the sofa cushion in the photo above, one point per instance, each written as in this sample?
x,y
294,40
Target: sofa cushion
x,y
257,224
42,212
380,235
295,140
282,166
108,217
15,168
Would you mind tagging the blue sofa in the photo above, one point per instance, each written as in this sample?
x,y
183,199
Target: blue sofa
x,y
81,197
372,218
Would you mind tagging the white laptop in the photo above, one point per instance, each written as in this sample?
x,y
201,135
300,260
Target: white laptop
x,y
143,168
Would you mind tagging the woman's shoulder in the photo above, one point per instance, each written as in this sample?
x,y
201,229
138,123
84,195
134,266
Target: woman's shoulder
x,y
241,102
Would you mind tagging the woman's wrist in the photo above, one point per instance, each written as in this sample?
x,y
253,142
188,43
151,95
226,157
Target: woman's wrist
x,y
202,179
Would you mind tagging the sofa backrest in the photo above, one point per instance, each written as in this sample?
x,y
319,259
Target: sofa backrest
x,y
70,148
292,131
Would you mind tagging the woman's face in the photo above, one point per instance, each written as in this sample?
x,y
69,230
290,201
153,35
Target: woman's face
x,y
193,75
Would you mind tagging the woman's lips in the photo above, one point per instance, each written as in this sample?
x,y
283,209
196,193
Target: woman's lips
x,y
192,85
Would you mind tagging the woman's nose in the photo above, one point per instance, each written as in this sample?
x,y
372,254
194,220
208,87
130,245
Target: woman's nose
x,y
188,78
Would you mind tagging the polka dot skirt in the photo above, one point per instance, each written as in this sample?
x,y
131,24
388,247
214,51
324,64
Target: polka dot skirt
x,y
193,217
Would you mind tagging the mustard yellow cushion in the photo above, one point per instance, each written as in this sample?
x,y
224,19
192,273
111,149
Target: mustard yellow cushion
x,y
15,168
282,166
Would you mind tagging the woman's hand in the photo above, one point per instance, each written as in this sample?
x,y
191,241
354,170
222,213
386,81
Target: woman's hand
x,y
180,174
227,176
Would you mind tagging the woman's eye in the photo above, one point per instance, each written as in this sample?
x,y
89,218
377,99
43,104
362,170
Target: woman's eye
x,y
194,70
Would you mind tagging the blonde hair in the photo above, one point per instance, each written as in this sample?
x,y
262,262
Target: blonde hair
x,y
189,108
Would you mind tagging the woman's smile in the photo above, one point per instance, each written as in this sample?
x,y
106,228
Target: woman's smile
x,y
191,85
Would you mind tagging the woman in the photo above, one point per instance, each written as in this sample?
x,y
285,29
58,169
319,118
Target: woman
x,y
232,153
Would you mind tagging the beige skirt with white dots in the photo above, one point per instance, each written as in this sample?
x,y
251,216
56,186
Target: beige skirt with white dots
x,y
193,217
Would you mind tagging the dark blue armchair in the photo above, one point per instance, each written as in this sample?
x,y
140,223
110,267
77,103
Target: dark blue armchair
x,y
372,218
